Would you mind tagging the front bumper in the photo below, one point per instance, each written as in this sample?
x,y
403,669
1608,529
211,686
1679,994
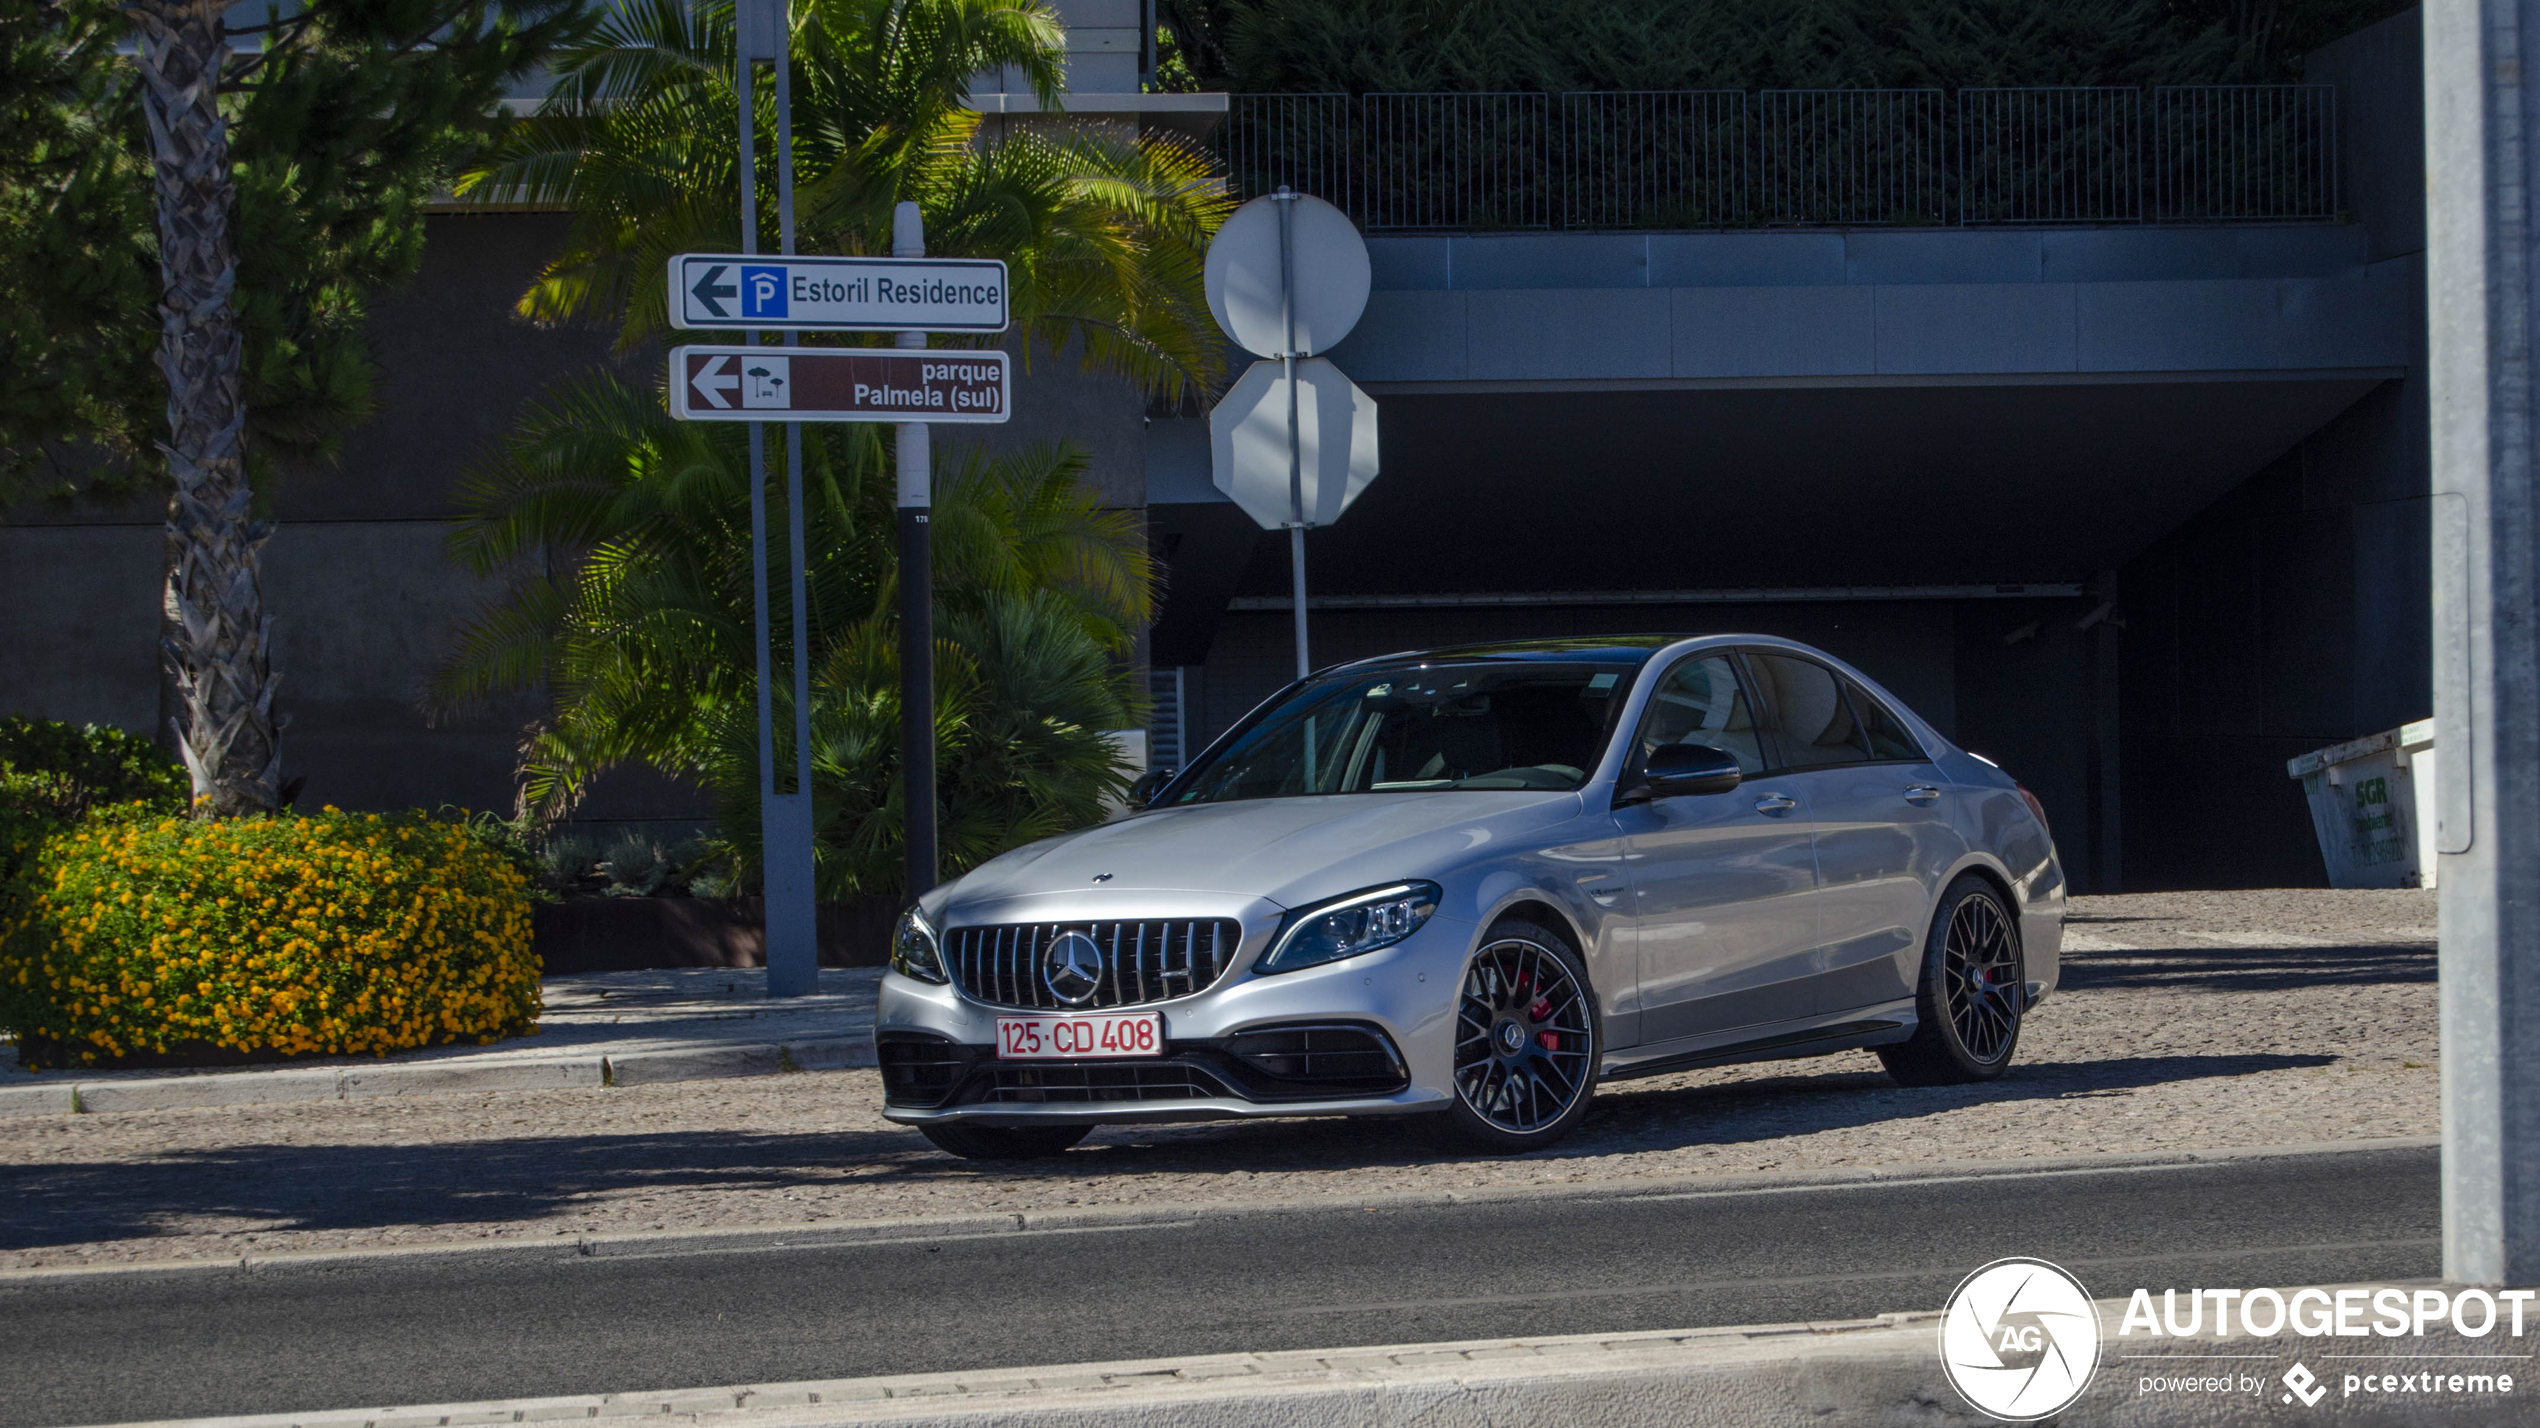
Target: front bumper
x,y
1377,1033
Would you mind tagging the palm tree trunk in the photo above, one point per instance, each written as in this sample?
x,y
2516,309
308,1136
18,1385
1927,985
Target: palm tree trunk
x,y
214,630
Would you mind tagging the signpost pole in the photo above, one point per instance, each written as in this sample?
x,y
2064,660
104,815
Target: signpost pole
x,y
793,938
1296,454
2481,234
917,608
784,820
742,75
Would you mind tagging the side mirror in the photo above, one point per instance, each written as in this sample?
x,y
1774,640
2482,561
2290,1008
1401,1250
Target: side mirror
x,y
1691,768
1149,784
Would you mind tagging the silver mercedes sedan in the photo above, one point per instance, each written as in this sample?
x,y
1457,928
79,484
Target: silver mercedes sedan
x,y
1469,884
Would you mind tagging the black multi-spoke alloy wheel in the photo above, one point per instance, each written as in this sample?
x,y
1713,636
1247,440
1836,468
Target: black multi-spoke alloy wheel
x,y
1002,1142
1527,1041
1971,996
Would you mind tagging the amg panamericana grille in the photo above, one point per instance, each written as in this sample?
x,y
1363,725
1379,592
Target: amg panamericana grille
x,y
1141,961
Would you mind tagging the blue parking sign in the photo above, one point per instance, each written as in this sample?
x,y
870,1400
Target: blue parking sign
x,y
762,292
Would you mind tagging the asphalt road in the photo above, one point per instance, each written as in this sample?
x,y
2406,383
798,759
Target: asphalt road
x,y
118,1348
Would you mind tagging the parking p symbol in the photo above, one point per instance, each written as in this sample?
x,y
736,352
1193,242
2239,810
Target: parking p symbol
x,y
763,292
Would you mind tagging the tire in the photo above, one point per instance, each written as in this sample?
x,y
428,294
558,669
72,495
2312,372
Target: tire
x,y
1002,1142
1528,1041
1970,996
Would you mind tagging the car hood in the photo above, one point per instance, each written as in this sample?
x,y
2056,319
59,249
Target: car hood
x,y
1288,850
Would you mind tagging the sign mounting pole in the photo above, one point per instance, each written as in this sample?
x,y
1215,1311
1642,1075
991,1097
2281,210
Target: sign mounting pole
x,y
784,820
917,609
793,933
1296,455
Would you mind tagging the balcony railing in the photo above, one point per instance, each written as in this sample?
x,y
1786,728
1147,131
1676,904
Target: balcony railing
x,y
1811,157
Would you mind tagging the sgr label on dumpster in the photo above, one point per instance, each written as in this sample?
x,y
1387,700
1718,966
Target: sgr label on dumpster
x,y
2377,836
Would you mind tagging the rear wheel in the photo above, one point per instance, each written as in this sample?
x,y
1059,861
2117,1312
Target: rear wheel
x,y
1971,994
1527,1041
1002,1142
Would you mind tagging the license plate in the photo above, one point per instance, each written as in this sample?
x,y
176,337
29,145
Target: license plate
x,y
1074,1038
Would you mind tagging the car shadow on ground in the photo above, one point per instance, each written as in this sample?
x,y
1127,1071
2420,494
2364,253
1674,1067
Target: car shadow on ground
x,y
518,1181
2248,969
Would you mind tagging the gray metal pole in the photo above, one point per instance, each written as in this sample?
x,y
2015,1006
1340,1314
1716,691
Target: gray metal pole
x,y
917,610
772,807
785,829
1296,453
2479,116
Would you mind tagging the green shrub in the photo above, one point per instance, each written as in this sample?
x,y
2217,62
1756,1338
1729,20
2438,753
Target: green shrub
x,y
69,769
52,773
328,934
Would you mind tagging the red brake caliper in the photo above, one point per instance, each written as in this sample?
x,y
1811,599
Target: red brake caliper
x,y
1541,1010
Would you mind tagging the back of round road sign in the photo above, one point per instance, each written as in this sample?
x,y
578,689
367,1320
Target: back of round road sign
x,y
1244,276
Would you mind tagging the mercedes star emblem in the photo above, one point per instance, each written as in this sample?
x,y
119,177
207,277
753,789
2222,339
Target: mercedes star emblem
x,y
1072,968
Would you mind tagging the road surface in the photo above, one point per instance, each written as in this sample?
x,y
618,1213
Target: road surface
x,y
383,1331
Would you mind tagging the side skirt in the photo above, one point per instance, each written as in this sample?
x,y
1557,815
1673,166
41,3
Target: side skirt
x,y
1814,1041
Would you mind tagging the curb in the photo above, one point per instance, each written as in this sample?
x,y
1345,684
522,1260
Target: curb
x,y
344,1083
1855,1373
771,1238
1289,1388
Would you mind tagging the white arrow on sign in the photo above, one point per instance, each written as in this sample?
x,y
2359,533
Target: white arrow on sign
x,y
1336,444
712,381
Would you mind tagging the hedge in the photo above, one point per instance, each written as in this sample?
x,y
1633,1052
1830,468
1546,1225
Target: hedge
x,y
133,934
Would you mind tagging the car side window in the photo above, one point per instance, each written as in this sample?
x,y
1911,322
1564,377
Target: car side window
x,y
1806,710
1701,701
1890,740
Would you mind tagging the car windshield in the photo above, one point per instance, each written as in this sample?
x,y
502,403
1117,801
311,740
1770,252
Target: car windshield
x,y
1455,726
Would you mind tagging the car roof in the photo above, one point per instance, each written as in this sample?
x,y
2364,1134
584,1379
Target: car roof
x,y
1583,649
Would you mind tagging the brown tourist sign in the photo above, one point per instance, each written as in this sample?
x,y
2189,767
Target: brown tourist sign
x,y
721,383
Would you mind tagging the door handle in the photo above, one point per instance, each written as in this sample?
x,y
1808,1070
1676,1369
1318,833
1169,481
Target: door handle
x,y
1775,803
1921,793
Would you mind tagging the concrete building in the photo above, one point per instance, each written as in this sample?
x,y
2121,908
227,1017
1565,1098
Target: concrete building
x,y
2135,507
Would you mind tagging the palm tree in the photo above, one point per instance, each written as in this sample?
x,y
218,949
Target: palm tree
x,y
1104,235
213,617
644,637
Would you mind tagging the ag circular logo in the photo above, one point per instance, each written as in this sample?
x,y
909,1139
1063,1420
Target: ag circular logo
x,y
1072,968
2019,1340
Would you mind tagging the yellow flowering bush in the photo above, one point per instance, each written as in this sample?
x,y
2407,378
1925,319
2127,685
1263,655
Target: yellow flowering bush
x,y
132,934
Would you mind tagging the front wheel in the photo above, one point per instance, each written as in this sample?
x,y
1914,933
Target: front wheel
x,y
1971,993
1002,1142
1527,1041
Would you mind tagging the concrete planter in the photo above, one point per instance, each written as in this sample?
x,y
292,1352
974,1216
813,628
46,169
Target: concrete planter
x,y
625,934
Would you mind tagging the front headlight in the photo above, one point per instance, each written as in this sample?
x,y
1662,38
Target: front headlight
x,y
914,952
1346,927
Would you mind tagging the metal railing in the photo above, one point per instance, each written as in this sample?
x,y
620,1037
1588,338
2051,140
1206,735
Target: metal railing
x,y
1658,159
2245,152
1308,142
1825,158
1456,161
1854,156
2050,156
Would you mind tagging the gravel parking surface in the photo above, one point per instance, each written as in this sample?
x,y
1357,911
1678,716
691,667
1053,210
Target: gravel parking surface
x,y
2186,1020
